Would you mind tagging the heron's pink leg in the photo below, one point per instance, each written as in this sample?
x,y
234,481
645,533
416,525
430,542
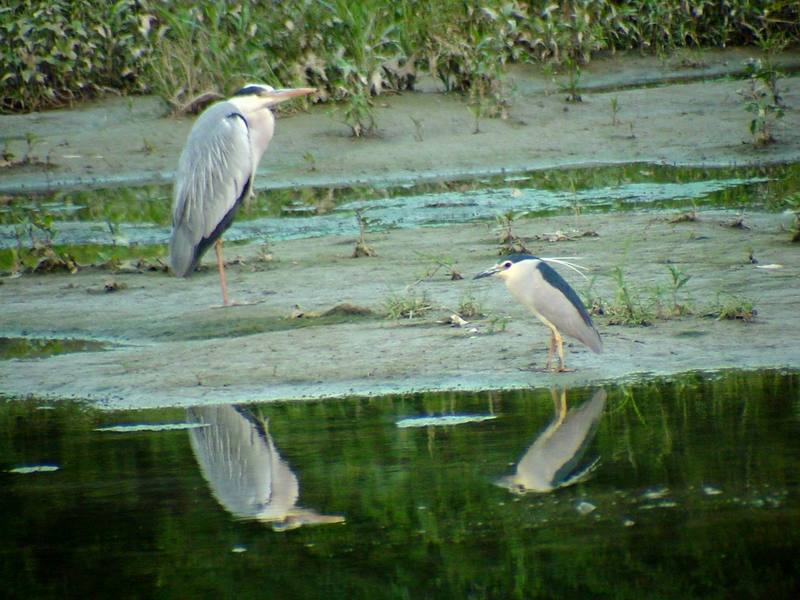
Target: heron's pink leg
x,y
221,267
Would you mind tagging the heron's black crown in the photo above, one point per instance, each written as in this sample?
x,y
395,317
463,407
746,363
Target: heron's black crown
x,y
515,258
250,89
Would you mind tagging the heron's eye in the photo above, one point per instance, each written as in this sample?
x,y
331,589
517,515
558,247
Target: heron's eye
x,y
507,264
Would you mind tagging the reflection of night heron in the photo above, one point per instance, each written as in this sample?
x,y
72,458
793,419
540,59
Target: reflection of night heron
x,y
246,474
216,170
538,287
552,461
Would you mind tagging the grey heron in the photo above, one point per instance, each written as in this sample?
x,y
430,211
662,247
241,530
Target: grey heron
x,y
216,170
553,460
246,473
539,287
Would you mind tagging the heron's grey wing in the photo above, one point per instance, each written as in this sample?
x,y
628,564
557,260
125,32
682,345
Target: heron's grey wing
x,y
560,305
238,460
573,437
284,487
536,469
214,175
554,456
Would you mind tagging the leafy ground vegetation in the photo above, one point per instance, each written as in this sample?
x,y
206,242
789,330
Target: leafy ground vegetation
x,y
59,51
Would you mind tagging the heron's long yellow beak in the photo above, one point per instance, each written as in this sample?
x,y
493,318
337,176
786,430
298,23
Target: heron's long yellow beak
x,y
278,96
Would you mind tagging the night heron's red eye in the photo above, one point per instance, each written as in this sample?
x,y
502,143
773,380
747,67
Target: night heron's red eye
x,y
507,264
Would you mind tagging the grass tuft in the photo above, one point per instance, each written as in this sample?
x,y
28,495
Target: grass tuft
x,y
407,306
733,307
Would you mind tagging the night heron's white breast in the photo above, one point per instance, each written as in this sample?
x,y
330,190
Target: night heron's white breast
x,y
524,281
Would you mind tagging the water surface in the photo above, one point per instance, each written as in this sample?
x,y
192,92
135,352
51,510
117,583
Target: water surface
x,y
679,489
115,224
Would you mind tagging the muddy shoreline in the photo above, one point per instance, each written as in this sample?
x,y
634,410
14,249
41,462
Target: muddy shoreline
x,y
169,346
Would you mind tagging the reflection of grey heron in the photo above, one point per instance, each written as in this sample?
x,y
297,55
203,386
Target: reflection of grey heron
x,y
216,170
552,461
539,287
246,474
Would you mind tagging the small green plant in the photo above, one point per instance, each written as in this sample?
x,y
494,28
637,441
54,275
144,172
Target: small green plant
x,y
475,109
417,128
361,248
762,106
593,302
762,95
575,201
679,279
35,252
732,307
407,306
510,242
497,323
469,307
570,84
30,140
614,106
358,112
7,156
793,204
264,254
627,308
311,161
441,262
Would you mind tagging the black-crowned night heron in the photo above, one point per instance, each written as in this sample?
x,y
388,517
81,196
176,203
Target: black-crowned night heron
x,y
539,287
244,469
553,460
216,171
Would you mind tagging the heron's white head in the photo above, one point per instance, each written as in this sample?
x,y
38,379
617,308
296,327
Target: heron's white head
x,y
509,265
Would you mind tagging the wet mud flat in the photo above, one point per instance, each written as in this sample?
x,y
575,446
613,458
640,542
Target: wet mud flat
x,y
170,345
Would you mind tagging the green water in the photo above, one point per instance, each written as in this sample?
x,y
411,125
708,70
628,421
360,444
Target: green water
x,y
108,225
21,347
693,494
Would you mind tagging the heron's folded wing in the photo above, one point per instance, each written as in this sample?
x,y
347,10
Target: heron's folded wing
x,y
562,306
213,176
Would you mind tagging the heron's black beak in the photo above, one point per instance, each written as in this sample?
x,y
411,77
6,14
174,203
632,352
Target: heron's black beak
x,y
487,272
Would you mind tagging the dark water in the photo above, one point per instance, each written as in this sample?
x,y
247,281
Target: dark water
x,y
680,489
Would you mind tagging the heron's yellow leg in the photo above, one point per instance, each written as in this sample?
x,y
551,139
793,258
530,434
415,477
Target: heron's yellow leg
x,y
560,342
550,350
221,267
559,405
555,340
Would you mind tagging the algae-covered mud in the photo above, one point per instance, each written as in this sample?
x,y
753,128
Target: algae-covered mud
x,y
681,488
167,342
